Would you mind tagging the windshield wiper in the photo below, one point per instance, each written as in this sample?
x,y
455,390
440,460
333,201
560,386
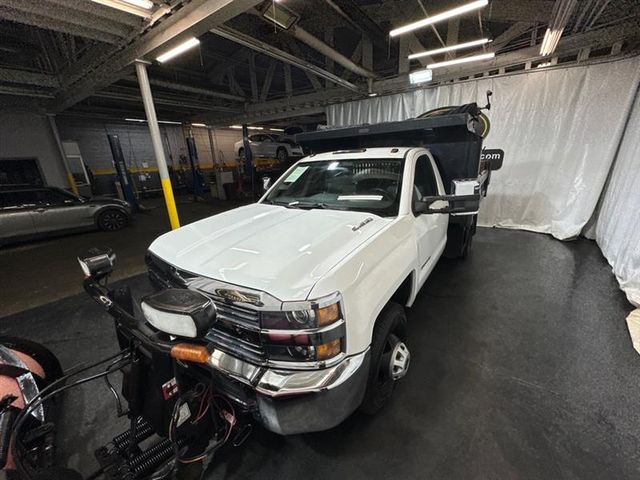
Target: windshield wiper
x,y
313,205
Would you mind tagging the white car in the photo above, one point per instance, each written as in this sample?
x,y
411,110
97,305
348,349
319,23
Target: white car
x,y
266,145
312,281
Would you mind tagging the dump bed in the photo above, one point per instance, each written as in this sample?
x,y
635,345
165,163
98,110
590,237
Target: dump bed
x,y
452,139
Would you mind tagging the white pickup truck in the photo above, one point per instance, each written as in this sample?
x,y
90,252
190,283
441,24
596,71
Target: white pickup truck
x,y
312,281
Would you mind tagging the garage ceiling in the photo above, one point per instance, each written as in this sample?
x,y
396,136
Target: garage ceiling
x,y
76,56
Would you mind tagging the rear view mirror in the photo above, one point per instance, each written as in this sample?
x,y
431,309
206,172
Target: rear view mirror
x,y
97,263
465,199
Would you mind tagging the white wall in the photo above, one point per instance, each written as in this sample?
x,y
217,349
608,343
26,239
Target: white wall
x,y
29,135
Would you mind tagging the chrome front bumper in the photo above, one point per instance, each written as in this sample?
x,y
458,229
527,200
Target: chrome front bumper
x,y
299,401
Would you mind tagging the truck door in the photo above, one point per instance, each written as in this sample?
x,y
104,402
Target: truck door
x,y
431,229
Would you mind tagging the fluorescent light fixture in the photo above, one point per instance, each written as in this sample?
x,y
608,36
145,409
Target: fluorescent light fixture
x,y
372,94
169,122
474,58
133,7
545,64
451,48
276,129
146,4
198,124
439,17
248,128
174,52
550,41
139,120
421,76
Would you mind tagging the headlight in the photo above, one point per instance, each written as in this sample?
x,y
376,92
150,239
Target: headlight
x,y
305,331
304,315
179,312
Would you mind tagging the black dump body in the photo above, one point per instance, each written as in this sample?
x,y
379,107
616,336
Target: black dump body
x,y
452,139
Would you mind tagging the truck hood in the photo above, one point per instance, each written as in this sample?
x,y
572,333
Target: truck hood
x,y
281,251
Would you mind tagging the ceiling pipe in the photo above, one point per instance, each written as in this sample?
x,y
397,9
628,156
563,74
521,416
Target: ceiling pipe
x,y
270,50
317,44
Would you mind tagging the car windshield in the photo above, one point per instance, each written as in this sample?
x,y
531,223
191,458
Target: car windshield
x,y
368,185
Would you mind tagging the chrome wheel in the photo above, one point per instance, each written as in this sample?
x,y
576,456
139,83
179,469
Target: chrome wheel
x,y
112,220
399,364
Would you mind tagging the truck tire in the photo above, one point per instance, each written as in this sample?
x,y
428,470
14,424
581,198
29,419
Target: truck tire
x,y
385,344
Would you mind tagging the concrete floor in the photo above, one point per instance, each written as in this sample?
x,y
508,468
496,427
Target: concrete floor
x,y
522,368
26,269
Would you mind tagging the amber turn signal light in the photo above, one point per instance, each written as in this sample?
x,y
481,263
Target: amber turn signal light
x,y
327,315
328,350
189,352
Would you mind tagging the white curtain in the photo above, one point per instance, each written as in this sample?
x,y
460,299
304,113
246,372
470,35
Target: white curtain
x,y
617,226
561,131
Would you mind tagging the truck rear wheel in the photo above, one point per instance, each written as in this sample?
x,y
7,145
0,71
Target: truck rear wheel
x,y
389,358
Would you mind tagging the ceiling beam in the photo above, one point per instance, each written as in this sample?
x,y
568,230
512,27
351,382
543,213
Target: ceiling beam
x,y
266,86
54,13
518,11
97,10
181,87
10,75
312,102
270,50
64,26
511,33
305,37
192,19
184,103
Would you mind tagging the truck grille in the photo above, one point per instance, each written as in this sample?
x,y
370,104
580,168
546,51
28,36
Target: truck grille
x,y
236,330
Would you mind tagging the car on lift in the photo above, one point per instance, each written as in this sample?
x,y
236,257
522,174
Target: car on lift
x,y
33,212
270,146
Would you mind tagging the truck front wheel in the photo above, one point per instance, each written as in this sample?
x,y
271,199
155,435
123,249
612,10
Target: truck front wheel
x,y
389,358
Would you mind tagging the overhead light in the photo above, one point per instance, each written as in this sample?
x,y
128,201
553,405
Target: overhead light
x,y
421,76
373,94
169,122
550,41
239,127
174,52
544,64
439,17
146,4
276,129
280,15
139,120
451,48
198,124
141,8
474,58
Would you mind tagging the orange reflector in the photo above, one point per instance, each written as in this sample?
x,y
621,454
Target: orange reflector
x,y
328,350
328,314
190,353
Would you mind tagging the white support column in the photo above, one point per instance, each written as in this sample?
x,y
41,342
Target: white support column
x,y
156,140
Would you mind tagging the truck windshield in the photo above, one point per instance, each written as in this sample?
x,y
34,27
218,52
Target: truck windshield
x,y
368,185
